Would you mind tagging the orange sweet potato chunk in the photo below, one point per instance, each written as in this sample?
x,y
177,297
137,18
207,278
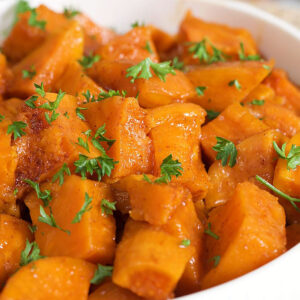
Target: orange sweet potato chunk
x,y
255,156
93,238
235,123
10,108
151,202
292,235
149,261
13,235
284,88
75,82
179,135
49,61
216,78
225,38
125,123
251,230
110,291
51,278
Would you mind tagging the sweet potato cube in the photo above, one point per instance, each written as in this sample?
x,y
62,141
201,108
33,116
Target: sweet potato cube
x,y
218,79
110,291
255,156
292,235
125,123
75,82
51,278
13,235
151,202
49,61
149,261
251,231
180,136
235,123
95,231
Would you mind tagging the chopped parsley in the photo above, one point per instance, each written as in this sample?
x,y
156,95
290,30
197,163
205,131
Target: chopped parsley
x,y
30,73
185,243
32,21
30,253
200,90
293,157
211,114
87,61
226,151
30,101
267,67
45,196
107,207
210,233
102,95
235,83
137,24
243,56
257,102
60,174
2,118
83,144
39,89
148,47
16,128
179,65
70,13
216,259
85,208
101,273
32,228
79,114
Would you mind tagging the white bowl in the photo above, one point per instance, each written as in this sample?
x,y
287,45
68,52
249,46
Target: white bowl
x,y
279,279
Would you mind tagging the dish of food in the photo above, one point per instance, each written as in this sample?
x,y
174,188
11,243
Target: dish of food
x,y
141,165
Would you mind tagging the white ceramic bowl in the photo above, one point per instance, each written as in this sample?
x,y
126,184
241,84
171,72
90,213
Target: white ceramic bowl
x,y
279,279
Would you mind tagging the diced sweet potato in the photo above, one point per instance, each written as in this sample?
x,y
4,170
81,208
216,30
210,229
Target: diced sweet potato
x,y
255,156
223,37
251,230
235,123
10,108
51,278
292,235
149,261
219,93
261,92
75,82
13,235
49,61
95,231
151,202
180,137
125,123
290,94
110,291
25,38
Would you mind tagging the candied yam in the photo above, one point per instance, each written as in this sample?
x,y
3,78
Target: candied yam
x,y
235,123
125,123
225,38
292,235
255,156
75,82
251,212
95,231
261,92
150,202
110,291
54,278
284,88
149,261
13,235
49,61
216,78
181,138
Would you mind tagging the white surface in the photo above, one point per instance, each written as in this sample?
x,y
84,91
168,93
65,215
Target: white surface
x,y
280,279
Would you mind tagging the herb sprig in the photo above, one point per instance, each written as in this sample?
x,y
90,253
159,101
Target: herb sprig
x,y
293,157
101,273
85,208
226,151
45,195
30,253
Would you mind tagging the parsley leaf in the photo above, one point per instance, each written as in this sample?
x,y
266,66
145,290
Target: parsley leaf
x,y
216,259
85,208
87,61
22,6
142,70
179,65
30,253
107,207
45,196
267,67
30,101
211,114
293,157
111,93
60,174
101,273
257,102
16,128
29,73
70,13
146,178
210,233
292,200
79,114
148,47
2,118
225,149
235,83
32,21
100,136
39,89
137,24
44,218
200,90
83,144
243,56
32,228
185,243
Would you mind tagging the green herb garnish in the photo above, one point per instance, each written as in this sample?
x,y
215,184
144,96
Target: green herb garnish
x,y
101,273
60,174
185,243
16,128
257,102
211,114
87,61
30,253
293,157
226,150
210,233
30,73
70,13
85,208
45,196
235,83
243,56
200,90
107,207
148,47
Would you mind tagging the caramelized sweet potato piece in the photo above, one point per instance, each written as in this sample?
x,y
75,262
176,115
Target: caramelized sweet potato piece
x,y
261,92
25,38
13,235
150,202
255,156
51,278
290,94
75,82
225,38
219,93
125,123
110,291
149,261
235,123
10,108
180,137
49,61
292,235
251,212
95,231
